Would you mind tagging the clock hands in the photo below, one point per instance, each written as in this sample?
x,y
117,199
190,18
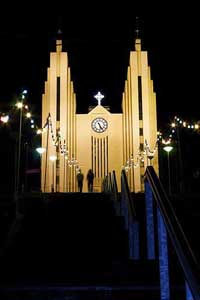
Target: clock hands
x,y
100,125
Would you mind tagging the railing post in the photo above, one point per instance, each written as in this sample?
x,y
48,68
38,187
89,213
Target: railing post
x,y
131,225
149,221
163,258
134,250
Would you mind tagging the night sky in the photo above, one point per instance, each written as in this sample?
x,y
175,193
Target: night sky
x,y
98,42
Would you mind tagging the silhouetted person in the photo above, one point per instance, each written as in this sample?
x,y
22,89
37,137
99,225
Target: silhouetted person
x,y
80,177
90,179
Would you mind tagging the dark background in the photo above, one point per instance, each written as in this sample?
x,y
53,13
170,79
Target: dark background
x,y
98,40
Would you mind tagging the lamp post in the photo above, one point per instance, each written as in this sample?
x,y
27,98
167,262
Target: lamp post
x,y
20,107
168,149
53,159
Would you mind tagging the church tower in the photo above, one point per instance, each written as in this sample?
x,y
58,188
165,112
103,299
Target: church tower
x,y
139,119
99,140
58,113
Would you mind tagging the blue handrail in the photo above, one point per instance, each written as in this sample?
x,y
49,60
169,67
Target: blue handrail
x,y
179,241
127,210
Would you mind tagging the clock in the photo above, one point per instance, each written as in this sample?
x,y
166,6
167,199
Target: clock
x,y
99,125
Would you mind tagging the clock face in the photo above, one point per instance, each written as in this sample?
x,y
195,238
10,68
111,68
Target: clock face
x,y
99,125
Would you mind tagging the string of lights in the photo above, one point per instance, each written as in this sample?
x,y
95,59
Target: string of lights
x,y
177,123
134,163
57,142
20,105
165,138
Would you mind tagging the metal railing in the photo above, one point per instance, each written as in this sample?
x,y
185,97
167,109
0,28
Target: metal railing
x,y
168,222
127,210
126,196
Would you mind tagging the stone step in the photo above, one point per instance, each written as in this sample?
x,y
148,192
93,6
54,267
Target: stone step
x,y
81,293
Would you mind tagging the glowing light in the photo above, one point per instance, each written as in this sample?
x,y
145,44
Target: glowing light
x,y
173,124
52,157
19,105
168,148
32,121
126,168
4,119
28,115
32,126
166,142
24,92
39,131
26,106
99,97
40,150
196,126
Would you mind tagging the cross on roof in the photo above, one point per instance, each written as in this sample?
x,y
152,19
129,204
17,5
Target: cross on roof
x,y
99,97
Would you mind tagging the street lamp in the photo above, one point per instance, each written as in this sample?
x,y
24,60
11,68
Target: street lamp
x,y
40,150
4,118
168,149
53,159
19,105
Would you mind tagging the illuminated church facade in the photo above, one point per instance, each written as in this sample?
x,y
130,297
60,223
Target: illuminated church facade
x,y
99,140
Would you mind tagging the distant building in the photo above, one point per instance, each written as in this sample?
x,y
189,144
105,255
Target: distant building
x,y
99,140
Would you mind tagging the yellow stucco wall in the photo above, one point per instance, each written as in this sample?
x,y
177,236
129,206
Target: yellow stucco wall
x,y
106,151
85,136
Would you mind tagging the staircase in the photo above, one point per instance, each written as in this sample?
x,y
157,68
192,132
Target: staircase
x,y
74,246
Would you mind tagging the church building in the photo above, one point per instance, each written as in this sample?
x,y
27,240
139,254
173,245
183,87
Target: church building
x,y
98,140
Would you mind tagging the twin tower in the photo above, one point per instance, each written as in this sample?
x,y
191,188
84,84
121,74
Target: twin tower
x,y
99,140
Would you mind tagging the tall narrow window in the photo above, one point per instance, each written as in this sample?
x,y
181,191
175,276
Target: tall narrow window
x,y
58,99
92,152
107,155
140,96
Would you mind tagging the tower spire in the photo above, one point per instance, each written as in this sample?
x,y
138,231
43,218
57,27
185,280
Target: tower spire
x,y
137,34
59,41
